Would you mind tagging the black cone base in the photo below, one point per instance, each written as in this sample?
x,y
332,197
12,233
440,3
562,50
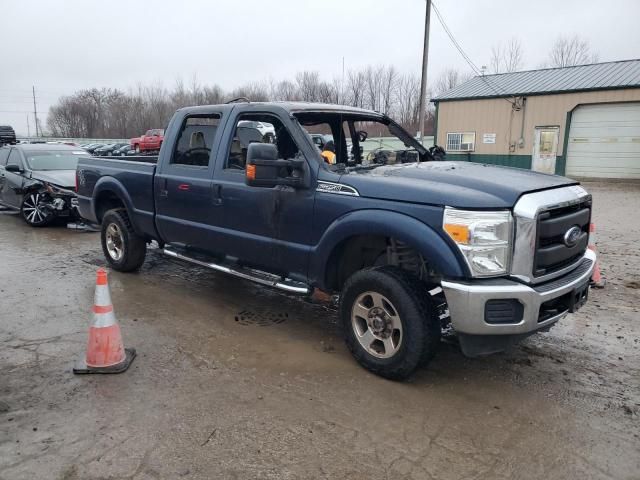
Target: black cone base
x,y
81,366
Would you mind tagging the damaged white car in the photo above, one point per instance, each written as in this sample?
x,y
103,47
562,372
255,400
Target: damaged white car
x,y
39,180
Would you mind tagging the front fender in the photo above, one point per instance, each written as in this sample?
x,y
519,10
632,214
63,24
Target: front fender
x,y
442,256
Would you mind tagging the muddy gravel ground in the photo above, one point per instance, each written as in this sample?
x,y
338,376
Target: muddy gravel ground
x,y
235,381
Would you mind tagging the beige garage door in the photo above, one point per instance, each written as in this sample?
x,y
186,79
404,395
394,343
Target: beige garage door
x,y
604,141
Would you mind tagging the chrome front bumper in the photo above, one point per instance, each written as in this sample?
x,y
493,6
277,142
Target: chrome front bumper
x,y
467,300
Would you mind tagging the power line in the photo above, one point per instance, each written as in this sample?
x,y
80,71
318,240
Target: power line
x,y
473,66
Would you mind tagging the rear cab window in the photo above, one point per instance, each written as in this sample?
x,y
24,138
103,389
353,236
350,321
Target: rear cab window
x,y
196,143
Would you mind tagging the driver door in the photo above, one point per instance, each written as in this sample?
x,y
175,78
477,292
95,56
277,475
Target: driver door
x,y
11,181
264,227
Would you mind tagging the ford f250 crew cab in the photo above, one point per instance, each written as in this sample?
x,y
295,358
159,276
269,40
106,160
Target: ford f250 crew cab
x,y
412,246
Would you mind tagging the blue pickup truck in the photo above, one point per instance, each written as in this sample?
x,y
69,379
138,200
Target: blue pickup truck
x,y
412,245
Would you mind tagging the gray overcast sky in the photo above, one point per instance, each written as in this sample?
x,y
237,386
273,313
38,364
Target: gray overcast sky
x,y
61,46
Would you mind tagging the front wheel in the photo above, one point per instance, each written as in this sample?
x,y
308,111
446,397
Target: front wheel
x,y
123,248
388,321
34,212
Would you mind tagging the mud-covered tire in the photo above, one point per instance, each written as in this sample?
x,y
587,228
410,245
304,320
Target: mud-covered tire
x,y
129,253
32,213
420,332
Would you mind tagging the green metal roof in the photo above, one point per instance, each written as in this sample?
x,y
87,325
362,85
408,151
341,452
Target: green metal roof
x,y
596,76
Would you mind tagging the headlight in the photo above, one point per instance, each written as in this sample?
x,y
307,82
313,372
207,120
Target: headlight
x,y
484,238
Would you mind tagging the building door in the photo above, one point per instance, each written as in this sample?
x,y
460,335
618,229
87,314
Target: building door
x,y
604,141
545,149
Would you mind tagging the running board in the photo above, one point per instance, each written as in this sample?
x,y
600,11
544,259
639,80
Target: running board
x,y
262,278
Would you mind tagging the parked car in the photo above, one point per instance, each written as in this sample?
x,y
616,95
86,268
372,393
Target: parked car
x,y
150,141
39,181
108,149
494,253
7,135
320,139
92,148
267,130
101,151
122,151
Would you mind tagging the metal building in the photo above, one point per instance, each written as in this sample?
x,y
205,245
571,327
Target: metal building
x,y
581,121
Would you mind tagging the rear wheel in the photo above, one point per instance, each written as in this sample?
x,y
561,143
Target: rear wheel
x,y
388,322
123,248
34,212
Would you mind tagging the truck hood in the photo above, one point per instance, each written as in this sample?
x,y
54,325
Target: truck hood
x,y
61,178
455,184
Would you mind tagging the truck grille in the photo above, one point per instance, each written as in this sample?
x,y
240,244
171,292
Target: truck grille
x,y
552,254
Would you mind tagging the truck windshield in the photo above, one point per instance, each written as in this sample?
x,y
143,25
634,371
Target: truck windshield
x,y
53,160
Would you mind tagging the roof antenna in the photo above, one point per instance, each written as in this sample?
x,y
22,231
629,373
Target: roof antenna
x,y
239,99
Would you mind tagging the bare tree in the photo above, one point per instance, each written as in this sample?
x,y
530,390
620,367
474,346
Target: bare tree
x,y
449,79
569,51
507,58
308,85
110,113
355,88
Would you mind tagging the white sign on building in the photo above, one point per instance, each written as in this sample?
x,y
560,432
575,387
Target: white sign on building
x,y
488,138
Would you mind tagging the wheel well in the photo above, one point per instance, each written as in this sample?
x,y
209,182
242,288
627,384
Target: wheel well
x,y
361,251
107,200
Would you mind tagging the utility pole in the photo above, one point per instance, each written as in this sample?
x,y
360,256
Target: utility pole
x,y
425,59
342,84
35,110
28,127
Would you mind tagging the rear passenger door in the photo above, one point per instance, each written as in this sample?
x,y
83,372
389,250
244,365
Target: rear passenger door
x,y
186,208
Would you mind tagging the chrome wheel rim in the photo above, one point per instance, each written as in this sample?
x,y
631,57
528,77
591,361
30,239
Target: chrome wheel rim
x,y
115,244
376,325
33,213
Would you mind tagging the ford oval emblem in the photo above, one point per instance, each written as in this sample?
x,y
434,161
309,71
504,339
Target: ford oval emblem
x,y
572,236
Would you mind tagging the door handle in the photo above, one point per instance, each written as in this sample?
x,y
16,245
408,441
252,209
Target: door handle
x,y
164,193
217,194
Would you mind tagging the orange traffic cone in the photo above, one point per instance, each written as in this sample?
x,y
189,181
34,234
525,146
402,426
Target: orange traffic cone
x,y
596,277
105,350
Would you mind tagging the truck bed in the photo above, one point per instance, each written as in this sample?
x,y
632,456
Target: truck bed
x,y
131,177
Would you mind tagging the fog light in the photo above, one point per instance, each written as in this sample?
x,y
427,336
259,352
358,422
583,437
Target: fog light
x,y
504,310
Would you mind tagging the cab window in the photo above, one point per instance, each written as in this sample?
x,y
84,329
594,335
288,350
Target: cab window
x,y
259,128
196,140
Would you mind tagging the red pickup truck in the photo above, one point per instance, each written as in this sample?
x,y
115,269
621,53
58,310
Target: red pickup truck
x,y
149,142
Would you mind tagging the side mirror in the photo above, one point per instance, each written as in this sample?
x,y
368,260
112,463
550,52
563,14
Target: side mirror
x,y
362,136
265,169
13,168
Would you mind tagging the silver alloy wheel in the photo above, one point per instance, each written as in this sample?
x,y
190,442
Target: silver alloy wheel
x,y
33,213
115,243
376,325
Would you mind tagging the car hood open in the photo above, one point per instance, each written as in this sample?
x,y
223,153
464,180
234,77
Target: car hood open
x,y
456,184
61,178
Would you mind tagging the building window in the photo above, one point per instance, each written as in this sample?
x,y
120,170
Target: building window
x,y
461,142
